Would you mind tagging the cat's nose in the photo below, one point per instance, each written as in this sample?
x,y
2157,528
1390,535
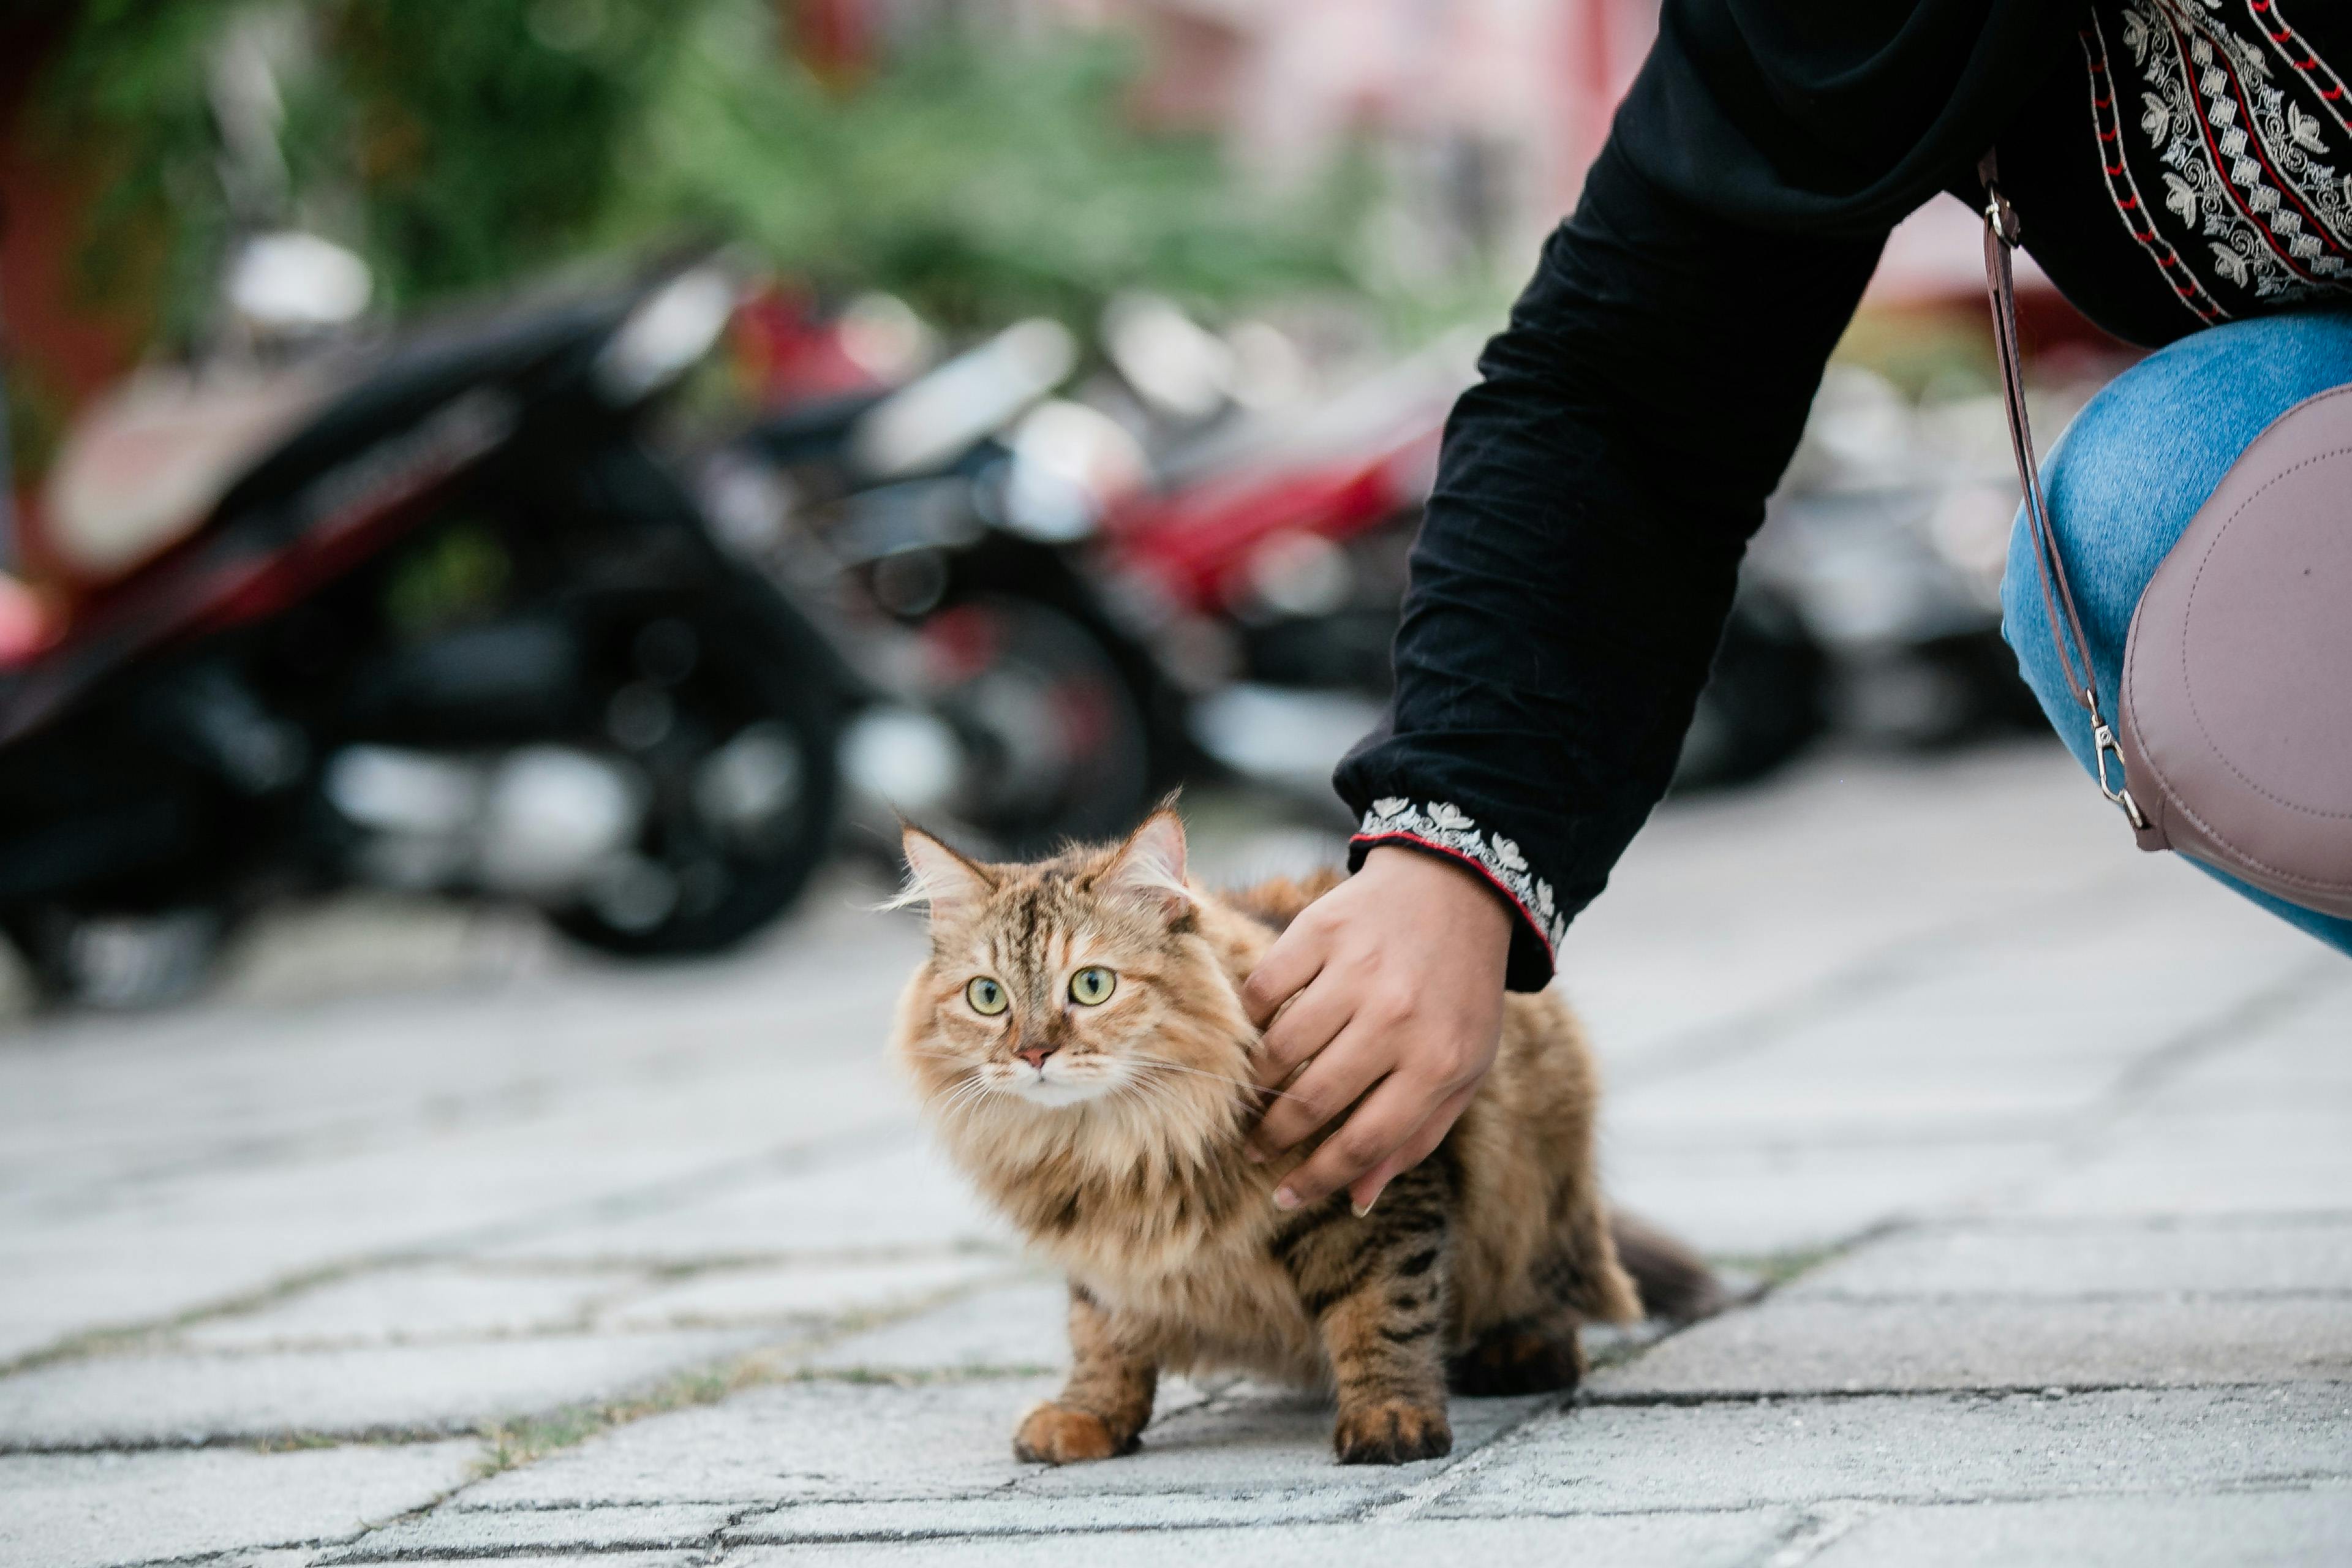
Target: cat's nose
x,y
1036,1055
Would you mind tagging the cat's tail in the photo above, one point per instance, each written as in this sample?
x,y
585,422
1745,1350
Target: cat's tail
x,y
1674,1282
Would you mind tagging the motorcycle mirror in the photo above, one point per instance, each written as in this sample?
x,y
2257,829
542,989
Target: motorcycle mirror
x,y
1180,367
666,335
1070,464
972,397
295,282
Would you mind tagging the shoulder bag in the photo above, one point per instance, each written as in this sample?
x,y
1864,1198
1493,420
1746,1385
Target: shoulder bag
x,y
2233,738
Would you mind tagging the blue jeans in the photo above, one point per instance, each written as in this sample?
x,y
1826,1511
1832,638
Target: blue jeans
x,y
2124,482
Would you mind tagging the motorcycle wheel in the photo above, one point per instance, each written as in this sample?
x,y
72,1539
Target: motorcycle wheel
x,y
736,740
1056,744
118,962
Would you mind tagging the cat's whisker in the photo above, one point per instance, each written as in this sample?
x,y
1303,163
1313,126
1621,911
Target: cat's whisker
x,y
968,1091
1244,1083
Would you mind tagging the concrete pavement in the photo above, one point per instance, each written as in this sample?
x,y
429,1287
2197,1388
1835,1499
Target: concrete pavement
x,y
488,1254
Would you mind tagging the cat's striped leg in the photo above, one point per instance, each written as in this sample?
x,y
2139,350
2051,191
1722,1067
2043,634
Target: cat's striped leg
x,y
1376,1290
1101,1410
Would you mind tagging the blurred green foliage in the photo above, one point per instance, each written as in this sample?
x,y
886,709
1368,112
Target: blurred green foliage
x,y
976,181
459,144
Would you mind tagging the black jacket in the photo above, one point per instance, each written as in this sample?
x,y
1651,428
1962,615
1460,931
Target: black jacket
x,y
1598,487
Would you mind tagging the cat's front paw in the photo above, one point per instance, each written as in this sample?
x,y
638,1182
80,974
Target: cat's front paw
x,y
1394,1432
1057,1435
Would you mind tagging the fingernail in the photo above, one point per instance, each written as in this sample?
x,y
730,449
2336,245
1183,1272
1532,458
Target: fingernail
x,y
1253,1154
1285,1199
1365,1207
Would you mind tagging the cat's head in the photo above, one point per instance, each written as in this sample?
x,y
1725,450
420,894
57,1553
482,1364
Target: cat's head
x,y
1076,982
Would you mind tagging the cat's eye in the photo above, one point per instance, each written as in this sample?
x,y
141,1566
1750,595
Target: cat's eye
x,y
987,997
1092,985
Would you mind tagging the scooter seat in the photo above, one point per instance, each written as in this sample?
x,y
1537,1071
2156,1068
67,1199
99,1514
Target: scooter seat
x,y
148,464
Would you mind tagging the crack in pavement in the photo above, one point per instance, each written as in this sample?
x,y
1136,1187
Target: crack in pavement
x,y
2148,1070
791,1160
1986,1392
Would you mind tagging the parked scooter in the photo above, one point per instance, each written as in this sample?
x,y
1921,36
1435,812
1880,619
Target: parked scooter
x,y
1280,537
430,615
1073,598
928,518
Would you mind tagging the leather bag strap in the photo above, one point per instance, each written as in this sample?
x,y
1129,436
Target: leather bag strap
x,y
2002,235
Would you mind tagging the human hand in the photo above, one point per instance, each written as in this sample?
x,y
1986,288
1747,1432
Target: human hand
x,y
1395,985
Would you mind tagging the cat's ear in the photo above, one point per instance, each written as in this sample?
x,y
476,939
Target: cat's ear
x,y
1151,864
938,876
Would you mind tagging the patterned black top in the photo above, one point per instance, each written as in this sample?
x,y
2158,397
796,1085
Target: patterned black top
x,y
2176,163
2224,155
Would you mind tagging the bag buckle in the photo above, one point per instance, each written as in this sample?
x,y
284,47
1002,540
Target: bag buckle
x,y
2001,217
2104,743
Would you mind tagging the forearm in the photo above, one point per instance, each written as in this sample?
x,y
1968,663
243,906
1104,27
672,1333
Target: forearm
x,y
1582,544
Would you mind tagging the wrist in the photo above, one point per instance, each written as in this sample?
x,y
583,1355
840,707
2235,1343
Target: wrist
x,y
1452,893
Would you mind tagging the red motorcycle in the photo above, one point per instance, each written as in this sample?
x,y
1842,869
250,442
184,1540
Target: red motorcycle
x,y
426,613
1279,549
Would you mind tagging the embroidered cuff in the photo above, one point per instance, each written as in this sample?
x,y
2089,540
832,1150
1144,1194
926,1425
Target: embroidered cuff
x,y
1449,830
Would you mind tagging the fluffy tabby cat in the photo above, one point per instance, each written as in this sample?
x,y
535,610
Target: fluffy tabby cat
x,y
1079,1039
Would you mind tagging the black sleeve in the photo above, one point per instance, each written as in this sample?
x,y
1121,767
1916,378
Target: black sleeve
x,y
1571,578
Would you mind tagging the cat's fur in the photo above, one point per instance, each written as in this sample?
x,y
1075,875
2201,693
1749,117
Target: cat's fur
x,y
1119,1153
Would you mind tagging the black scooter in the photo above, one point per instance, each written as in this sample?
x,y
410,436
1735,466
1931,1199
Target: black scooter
x,y
453,627
1014,697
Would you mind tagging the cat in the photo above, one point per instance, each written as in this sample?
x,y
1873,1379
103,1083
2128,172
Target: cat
x,y
1077,1038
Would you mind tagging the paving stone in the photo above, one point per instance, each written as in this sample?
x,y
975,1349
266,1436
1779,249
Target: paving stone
x,y
412,1189
225,1148
2297,1058
1804,1048
816,1441
2010,1010
2265,1161
1018,1326
418,1302
2131,1188
899,1196
802,1291
1936,1019
1751,1201
145,1256
1688,1540
164,1398
2229,1530
85,1510
1918,1448
95,1276
591,1559
1734,906
447,1531
1000,1514
1792,1092
2228,1258
1266,1443
1829,1346
2295,1133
